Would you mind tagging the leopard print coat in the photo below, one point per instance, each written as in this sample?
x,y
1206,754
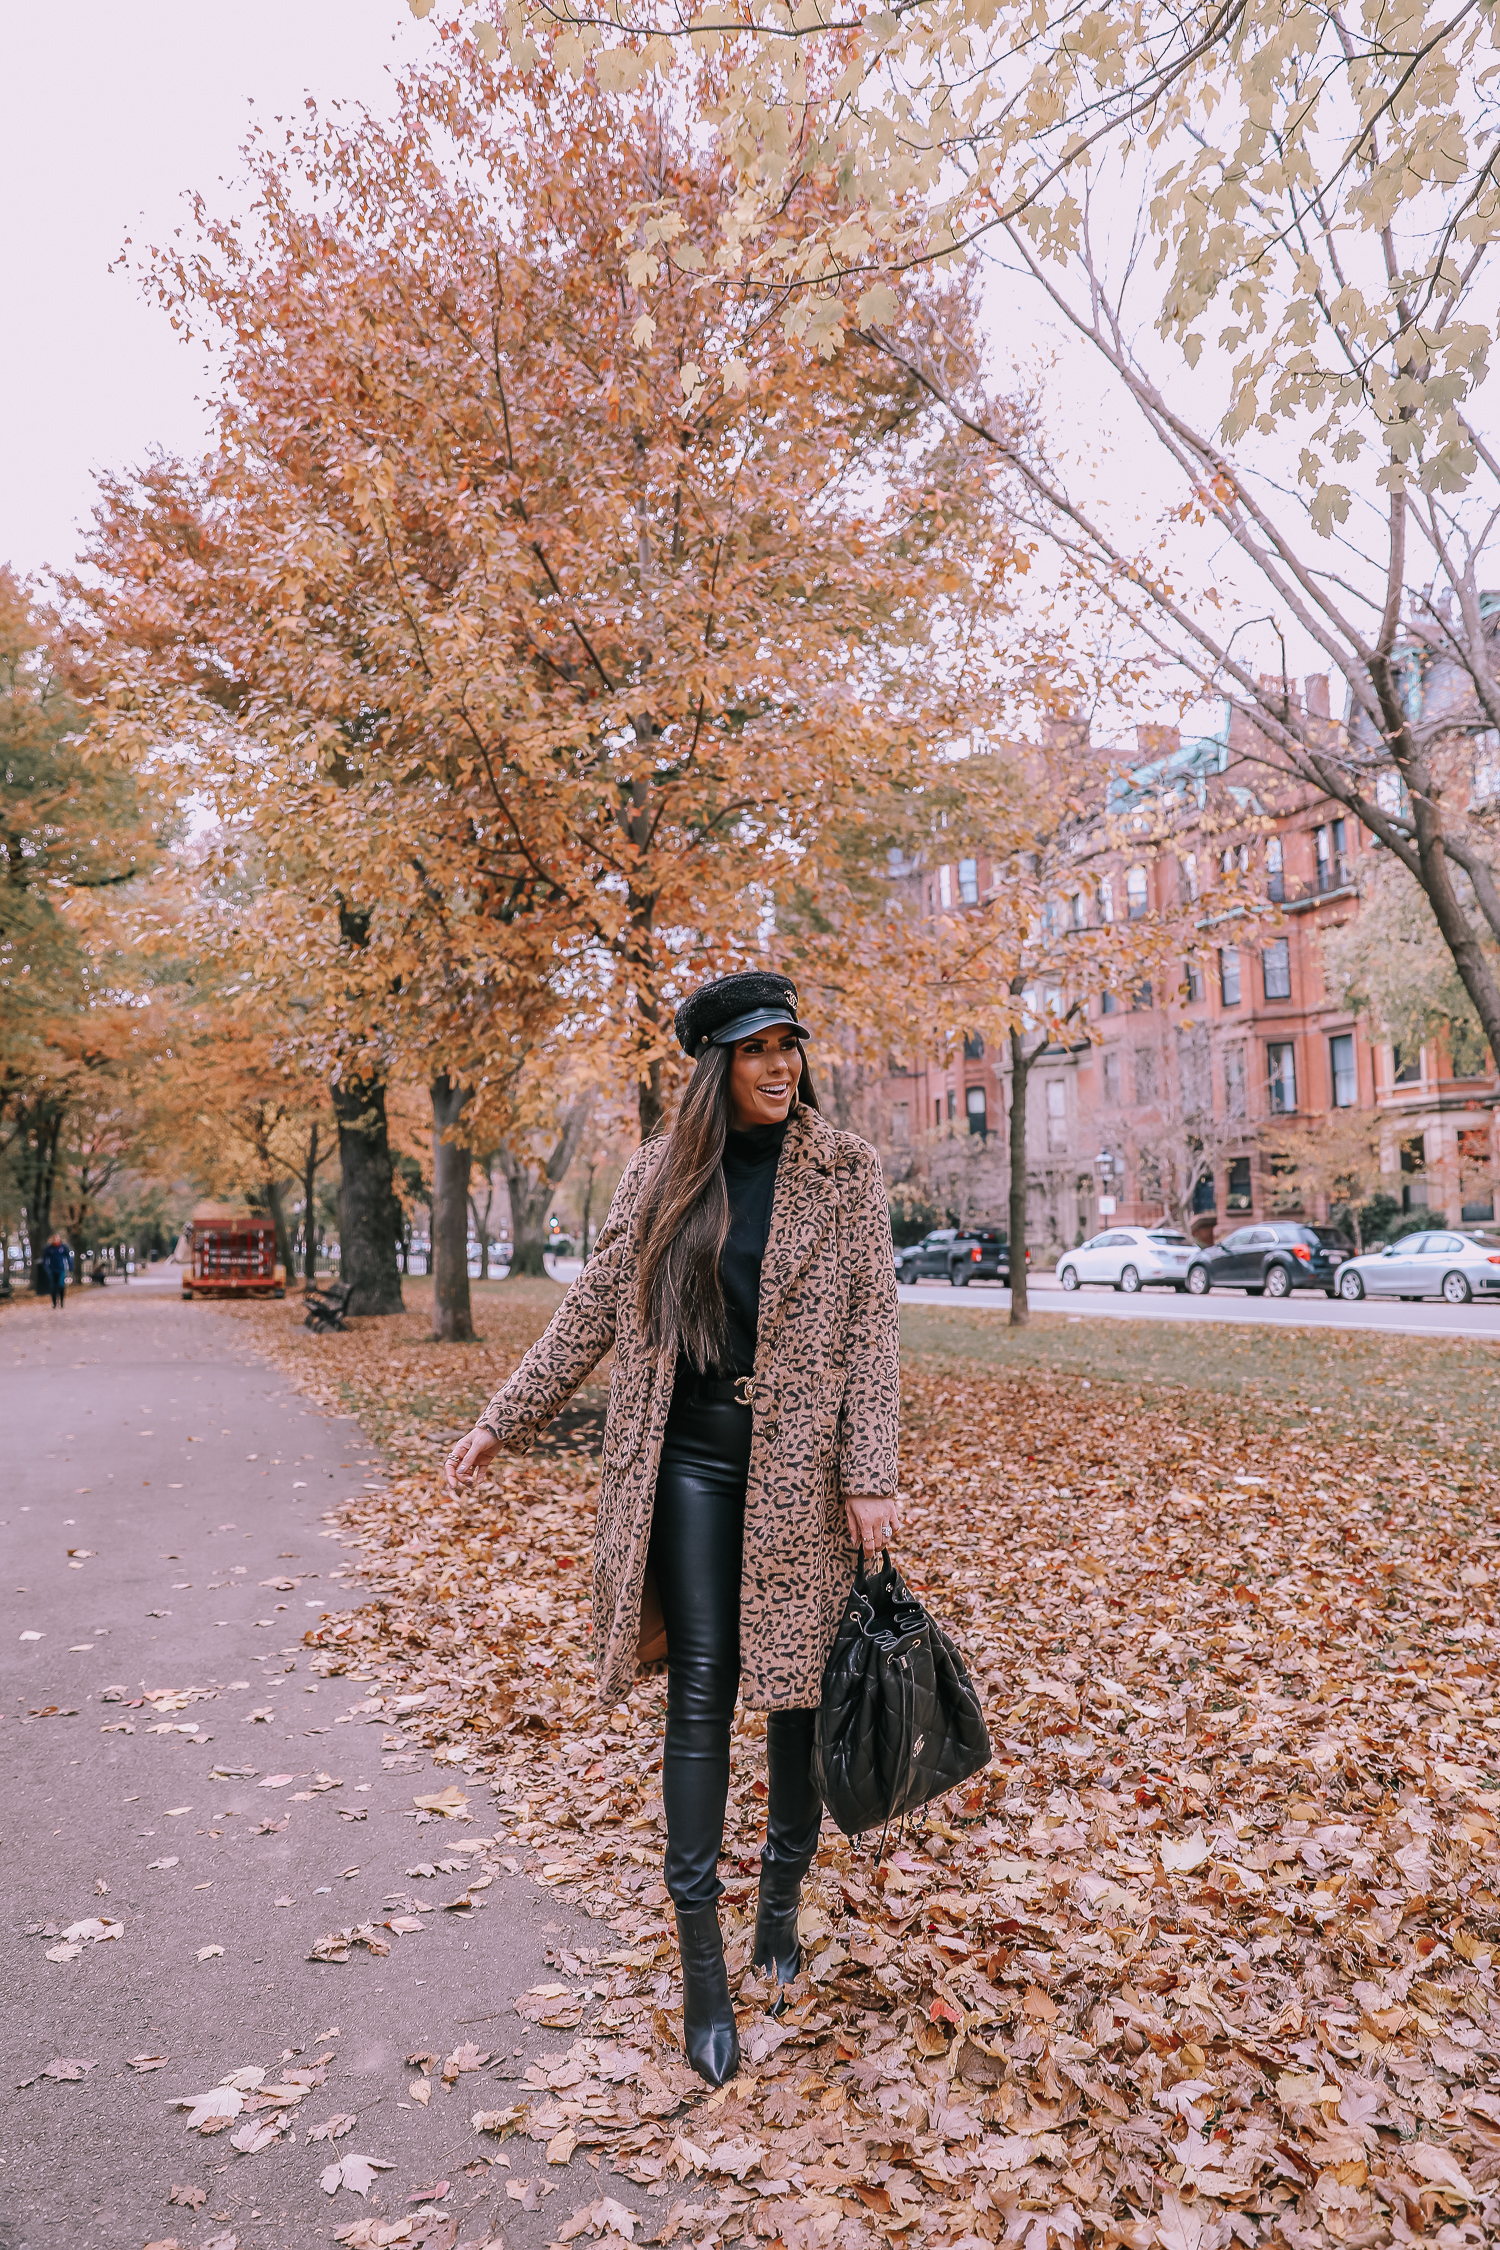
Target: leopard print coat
x,y
825,1394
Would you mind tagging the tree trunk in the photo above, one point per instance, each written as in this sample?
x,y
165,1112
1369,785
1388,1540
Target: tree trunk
x,y
588,1207
452,1320
369,1212
532,1187
1020,1071
309,1224
40,1137
276,1205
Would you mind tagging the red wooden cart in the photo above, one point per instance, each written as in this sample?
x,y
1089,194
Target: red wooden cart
x,y
229,1253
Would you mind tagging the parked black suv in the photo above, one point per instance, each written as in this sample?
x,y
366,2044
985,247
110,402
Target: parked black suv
x,y
1272,1260
959,1255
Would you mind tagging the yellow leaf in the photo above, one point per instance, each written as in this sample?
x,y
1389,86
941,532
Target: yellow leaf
x,y
449,1802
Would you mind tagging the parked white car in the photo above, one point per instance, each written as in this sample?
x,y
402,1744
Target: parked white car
x,y
1129,1258
1440,1264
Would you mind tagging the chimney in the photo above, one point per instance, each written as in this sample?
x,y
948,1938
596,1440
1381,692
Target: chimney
x,y
1316,686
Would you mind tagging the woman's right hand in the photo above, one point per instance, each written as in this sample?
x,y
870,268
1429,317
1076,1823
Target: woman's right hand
x,y
470,1455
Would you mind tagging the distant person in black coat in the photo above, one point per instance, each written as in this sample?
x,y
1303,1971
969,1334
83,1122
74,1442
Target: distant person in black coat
x,y
57,1258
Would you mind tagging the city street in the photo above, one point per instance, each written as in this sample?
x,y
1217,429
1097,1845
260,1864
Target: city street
x,y
1308,1308
198,1806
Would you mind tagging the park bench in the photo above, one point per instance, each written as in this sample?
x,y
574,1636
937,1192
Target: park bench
x,y
326,1307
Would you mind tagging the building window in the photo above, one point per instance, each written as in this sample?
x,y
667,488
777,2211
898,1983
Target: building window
x,y
1192,981
1135,893
1238,1184
1476,1175
1232,859
937,1110
1281,1077
975,1111
1145,1075
968,881
1406,1065
1277,964
1140,999
945,886
1275,870
1076,910
1413,1173
1390,794
1328,843
895,859
1204,1199
1057,1116
1234,1081
1486,786
1190,873
1106,900
1229,975
973,1046
900,1125
1111,1067
952,1105
1107,1004
1342,1072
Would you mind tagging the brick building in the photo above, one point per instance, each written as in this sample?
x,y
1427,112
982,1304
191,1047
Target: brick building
x,y
1250,1038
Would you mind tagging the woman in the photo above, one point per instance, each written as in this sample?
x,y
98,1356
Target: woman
x,y
745,1279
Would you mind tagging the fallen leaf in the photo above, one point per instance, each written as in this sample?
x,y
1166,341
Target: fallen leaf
x,y
1438,2168
210,1952
190,2197
357,2173
450,1802
149,2062
257,2133
1181,1854
213,2109
333,2128
63,2066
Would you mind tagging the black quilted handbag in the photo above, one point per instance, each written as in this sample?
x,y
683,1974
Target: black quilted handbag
x,y
899,1721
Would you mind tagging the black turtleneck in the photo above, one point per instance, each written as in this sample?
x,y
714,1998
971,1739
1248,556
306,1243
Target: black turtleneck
x,y
750,1161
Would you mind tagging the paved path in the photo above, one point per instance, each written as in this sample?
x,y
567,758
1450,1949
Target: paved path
x,y
1304,1310
157,1477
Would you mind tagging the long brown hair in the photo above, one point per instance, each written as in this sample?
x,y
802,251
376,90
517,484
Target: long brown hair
x,y
686,1216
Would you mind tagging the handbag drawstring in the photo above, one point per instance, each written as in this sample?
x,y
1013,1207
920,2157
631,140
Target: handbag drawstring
x,y
908,1707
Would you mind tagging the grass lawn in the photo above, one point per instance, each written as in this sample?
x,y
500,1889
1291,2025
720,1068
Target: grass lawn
x,y
1426,1393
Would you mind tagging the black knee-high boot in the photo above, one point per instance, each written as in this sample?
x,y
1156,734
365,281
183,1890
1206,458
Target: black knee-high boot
x,y
713,2046
793,1817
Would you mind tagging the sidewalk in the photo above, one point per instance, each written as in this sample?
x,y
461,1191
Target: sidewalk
x,y
165,1539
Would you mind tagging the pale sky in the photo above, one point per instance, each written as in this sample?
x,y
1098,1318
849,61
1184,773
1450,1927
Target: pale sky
x,y
113,113
117,114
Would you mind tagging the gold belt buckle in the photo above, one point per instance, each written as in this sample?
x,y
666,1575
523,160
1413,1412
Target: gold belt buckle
x,y
742,1386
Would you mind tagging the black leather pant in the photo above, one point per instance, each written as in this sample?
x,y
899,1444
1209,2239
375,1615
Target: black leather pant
x,y
697,1535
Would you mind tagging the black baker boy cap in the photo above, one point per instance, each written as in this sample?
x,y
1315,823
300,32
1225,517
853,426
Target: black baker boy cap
x,y
732,1008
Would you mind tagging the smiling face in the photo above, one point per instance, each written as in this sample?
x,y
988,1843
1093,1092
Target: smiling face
x,y
763,1077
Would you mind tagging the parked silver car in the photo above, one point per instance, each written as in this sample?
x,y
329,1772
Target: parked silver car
x,y
1443,1263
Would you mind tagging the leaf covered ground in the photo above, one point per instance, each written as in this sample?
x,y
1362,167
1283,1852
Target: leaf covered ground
x,y
1205,1956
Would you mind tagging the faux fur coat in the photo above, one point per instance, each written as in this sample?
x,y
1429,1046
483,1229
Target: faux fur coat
x,y
825,1394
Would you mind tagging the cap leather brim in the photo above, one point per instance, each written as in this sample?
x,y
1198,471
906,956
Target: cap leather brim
x,y
746,1026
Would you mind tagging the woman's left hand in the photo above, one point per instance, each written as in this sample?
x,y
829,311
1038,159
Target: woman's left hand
x,y
873,1524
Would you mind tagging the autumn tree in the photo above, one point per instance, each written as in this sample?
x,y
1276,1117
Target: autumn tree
x,y
537,663
1336,1158
1390,963
1338,303
75,835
